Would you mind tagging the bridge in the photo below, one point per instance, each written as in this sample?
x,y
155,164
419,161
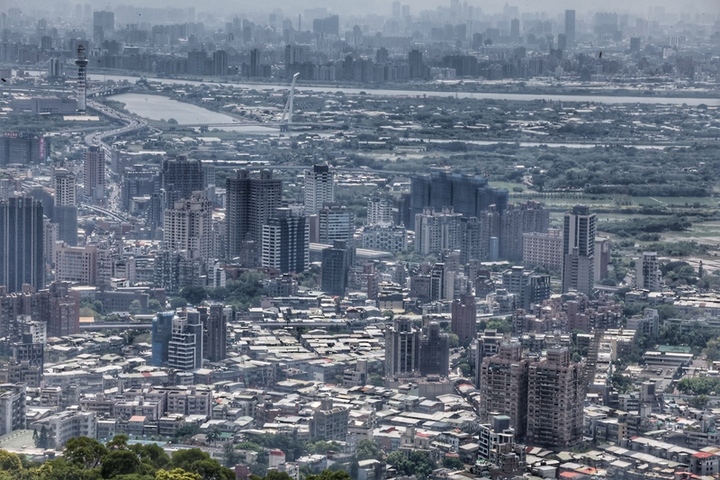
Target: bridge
x,y
103,211
109,90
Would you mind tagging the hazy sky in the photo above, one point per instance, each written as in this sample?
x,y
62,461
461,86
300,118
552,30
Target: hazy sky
x,y
383,7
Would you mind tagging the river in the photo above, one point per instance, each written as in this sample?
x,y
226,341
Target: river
x,y
605,99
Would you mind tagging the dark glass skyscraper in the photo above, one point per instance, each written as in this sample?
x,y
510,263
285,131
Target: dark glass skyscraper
x,y
466,194
181,177
21,244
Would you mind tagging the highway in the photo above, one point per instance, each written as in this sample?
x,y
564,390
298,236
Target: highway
x,y
101,326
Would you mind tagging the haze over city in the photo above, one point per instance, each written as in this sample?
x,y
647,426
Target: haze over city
x,y
381,240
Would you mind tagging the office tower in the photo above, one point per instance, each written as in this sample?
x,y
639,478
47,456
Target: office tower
x,y
517,220
402,348
379,210
335,222
417,67
396,9
77,265
562,42
464,319
543,249
188,227
22,257
220,63
139,183
327,26
487,344
335,268
103,26
185,348
250,202
437,231
634,44
515,30
602,258
95,173
434,357
23,148
387,238
647,272
555,401
82,63
530,288
286,242
570,27
179,178
319,188
468,195
504,387
578,272
254,70
214,320
475,239
161,333
65,211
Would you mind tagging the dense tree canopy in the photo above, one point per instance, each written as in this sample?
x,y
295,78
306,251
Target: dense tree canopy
x,y
87,459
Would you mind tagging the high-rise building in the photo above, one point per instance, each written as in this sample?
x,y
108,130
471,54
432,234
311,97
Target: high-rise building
x,y
530,288
515,30
103,26
647,272
437,231
504,386
220,63
464,319
250,202
570,27
417,67
517,220
402,348
543,249
94,180
602,258
59,306
578,272
329,422
468,195
179,178
77,265
65,210
335,222
215,320
188,227
335,268
487,345
22,257
286,242
162,330
434,357
555,401
379,210
175,271
319,188
23,148
185,348
475,239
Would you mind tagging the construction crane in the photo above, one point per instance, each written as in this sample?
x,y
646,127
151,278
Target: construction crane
x,y
287,114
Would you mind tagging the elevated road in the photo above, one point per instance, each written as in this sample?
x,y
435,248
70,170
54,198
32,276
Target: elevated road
x,y
101,326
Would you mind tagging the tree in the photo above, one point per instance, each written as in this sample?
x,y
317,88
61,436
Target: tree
x,y
231,457
453,340
453,463
9,462
376,380
135,307
416,463
176,474
368,449
119,462
178,302
84,452
330,475
42,439
154,305
194,295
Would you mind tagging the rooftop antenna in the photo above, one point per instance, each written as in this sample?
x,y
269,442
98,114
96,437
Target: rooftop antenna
x,y
287,114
